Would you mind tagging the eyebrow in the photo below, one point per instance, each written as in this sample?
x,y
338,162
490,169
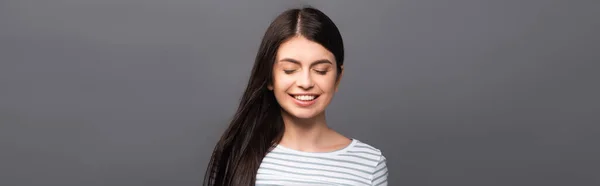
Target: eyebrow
x,y
320,61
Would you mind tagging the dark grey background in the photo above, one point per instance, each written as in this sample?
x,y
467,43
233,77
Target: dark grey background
x,y
136,92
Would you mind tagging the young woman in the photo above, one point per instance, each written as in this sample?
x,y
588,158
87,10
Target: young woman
x,y
279,135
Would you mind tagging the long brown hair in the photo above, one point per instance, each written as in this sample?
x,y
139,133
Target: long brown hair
x,y
257,124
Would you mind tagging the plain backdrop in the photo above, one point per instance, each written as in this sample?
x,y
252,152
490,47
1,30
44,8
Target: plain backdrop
x,y
463,92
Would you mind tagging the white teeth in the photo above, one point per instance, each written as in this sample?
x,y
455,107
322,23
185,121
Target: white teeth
x,y
304,97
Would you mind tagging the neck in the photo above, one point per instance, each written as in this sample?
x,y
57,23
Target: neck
x,y
304,134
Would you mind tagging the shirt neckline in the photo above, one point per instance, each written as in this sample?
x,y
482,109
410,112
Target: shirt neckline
x,y
328,153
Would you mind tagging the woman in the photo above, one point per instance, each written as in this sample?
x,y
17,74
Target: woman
x,y
279,135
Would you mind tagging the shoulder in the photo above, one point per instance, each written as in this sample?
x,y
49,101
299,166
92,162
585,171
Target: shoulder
x,y
366,147
368,151
378,161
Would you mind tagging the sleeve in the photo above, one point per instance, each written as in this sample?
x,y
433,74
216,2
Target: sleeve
x,y
381,173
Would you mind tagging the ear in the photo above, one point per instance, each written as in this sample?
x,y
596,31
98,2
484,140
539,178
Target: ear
x,y
339,78
270,86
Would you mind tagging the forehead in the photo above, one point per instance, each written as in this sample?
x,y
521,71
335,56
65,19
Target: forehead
x,y
303,50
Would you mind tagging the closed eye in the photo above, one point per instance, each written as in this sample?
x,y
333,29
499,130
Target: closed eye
x,y
322,72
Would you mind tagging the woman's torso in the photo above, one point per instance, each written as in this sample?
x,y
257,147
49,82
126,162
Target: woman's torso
x,y
353,165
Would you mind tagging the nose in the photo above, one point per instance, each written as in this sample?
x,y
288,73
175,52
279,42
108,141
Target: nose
x,y
305,80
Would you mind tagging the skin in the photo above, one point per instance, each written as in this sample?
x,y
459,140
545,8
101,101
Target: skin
x,y
306,67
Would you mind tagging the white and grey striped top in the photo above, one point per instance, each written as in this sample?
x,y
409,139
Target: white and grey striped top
x,y
356,164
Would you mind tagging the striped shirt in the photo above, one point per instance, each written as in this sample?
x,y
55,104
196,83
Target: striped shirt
x,y
356,164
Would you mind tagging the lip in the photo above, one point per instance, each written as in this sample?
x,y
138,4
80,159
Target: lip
x,y
303,94
304,103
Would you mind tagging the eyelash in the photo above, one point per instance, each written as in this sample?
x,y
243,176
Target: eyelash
x,y
321,72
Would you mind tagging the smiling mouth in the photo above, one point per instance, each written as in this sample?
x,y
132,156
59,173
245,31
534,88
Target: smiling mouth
x,y
304,97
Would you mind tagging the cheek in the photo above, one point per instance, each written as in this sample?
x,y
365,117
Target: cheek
x,y
282,83
327,83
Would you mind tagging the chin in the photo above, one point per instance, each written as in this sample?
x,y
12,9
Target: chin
x,y
303,114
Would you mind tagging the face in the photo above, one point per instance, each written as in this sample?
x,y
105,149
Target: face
x,y
304,77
